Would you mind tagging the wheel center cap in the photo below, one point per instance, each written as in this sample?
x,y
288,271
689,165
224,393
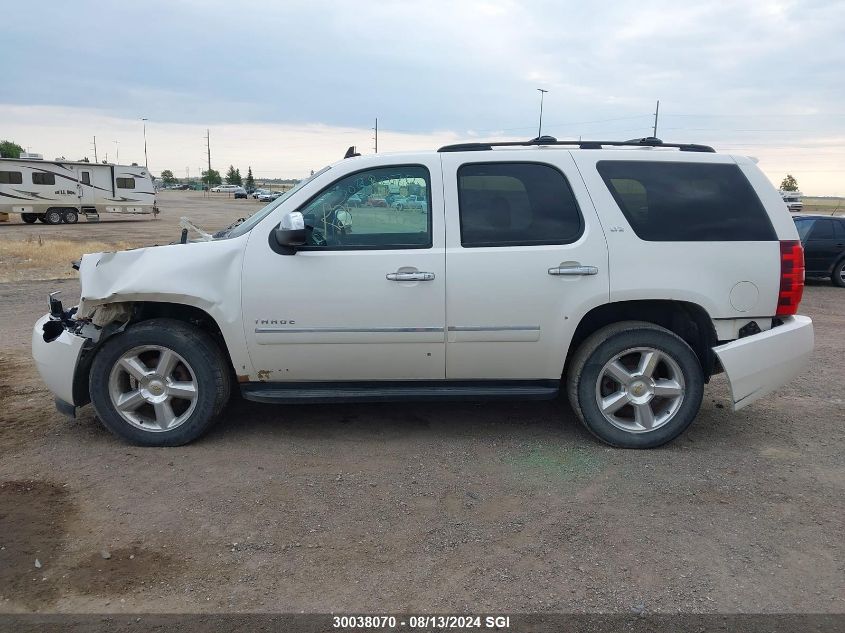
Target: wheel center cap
x,y
154,389
640,390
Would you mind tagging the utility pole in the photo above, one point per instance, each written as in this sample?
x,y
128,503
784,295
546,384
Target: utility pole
x,y
117,150
540,129
656,112
376,135
146,162
96,160
208,147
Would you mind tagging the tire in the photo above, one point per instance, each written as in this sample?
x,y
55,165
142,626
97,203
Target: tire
x,y
70,216
195,361
838,274
53,216
677,372
29,218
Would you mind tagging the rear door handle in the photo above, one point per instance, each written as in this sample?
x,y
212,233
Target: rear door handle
x,y
574,270
417,276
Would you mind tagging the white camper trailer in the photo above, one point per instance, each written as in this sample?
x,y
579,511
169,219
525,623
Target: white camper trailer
x,y
60,191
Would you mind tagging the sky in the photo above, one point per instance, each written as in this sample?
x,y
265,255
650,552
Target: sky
x,y
286,87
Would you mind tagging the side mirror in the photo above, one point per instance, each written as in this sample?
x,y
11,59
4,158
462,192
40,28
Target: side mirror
x,y
291,232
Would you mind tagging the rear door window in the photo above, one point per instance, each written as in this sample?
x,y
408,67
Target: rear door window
x,y
822,230
686,202
516,204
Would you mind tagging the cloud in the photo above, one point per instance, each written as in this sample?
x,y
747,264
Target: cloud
x,y
470,68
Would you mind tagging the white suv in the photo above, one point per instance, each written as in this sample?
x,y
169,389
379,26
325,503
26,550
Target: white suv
x,y
625,274
225,188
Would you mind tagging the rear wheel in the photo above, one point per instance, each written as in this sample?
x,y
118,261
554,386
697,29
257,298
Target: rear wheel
x,y
53,216
70,216
29,218
635,384
159,383
838,275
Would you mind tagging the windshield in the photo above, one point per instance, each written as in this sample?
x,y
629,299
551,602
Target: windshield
x,y
803,227
255,218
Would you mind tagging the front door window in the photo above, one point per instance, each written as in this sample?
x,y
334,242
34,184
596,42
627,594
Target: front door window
x,y
384,208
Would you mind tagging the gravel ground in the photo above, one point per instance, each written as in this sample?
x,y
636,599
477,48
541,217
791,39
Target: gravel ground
x,y
417,507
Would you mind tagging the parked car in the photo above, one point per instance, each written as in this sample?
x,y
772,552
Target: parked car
x,y
354,201
534,271
224,189
794,200
823,239
410,202
269,196
240,192
375,201
258,192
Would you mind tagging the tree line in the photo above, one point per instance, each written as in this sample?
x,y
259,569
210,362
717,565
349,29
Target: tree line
x,y
212,178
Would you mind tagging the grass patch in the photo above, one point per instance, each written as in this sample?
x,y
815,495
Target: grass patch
x,y
37,258
824,206
557,462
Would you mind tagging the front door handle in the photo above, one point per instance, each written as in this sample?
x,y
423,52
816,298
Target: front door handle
x,y
574,269
409,276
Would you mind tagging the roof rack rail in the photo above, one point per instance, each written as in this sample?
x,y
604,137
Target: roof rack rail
x,y
648,141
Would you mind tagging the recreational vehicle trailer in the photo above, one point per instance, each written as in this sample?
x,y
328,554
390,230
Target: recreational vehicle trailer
x,y
60,191
793,199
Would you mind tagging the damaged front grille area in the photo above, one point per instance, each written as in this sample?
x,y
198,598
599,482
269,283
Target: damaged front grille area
x,y
65,320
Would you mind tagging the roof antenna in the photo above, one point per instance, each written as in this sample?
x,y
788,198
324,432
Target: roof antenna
x,y
351,153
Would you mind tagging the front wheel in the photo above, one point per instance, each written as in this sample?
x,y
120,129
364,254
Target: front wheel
x,y
635,385
70,216
159,383
838,275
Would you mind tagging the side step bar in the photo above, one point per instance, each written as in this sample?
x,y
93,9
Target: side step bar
x,y
407,390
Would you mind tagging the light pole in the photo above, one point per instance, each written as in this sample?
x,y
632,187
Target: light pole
x,y
146,162
117,151
542,94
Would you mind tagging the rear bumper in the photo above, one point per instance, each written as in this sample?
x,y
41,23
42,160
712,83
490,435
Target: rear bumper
x,y
57,359
757,365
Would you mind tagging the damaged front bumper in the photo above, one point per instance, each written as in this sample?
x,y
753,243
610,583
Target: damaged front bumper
x,y
57,355
757,365
60,346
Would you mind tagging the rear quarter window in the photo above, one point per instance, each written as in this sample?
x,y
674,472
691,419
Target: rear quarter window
x,y
803,227
687,202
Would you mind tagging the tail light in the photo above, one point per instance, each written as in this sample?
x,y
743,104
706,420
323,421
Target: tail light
x,y
791,277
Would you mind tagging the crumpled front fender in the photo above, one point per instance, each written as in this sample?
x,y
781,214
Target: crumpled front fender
x,y
204,275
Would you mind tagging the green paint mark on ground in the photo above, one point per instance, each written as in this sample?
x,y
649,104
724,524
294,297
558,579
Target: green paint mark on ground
x,y
558,462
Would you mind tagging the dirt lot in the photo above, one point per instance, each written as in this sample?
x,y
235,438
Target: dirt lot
x,y
416,507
